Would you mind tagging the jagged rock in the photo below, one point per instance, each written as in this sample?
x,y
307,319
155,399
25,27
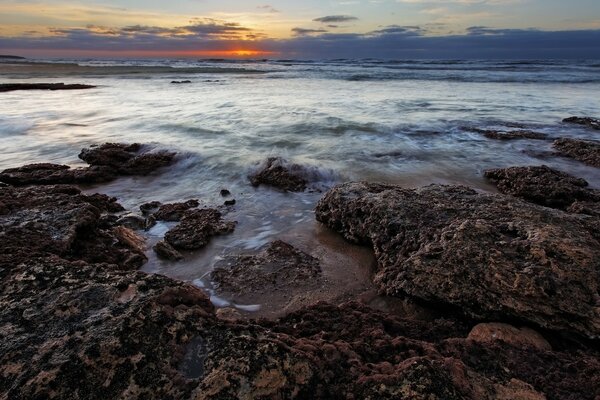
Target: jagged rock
x,y
585,207
588,152
150,208
165,251
60,220
587,121
278,267
50,174
517,337
134,221
126,159
279,173
8,87
542,185
175,211
490,256
196,228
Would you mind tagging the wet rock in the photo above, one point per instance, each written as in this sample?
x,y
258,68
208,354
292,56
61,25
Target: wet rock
x,y
278,267
126,159
165,251
60,220
133,221
180,82
229,202
196,228
542,185
490,256
150,208
50,174
588,152
175,211
8,87
586,121
510,135
517,337
279,173
585,207
225,193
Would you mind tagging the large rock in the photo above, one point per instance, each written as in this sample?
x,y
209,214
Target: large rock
x,y
51,174
586,121
9,87
542,185
175,211
510,135
588,152
127,159
196,228
490,256
279,173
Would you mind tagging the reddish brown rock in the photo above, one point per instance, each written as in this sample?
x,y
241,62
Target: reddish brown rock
x,y
196,228
126,159
490,256
588,152
175,211
165,251
517,337
278,173
50,174
542,185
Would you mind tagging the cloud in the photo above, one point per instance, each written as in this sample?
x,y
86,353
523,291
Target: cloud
x,y
307,31
332,19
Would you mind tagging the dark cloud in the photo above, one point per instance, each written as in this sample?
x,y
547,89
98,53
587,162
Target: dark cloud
x,y
332,19
392,42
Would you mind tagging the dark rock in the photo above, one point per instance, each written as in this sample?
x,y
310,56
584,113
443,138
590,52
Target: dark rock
x,y
586,121
180,82
517,337
196,228
279,173
279,267
8,87
585,207
133,221
588,152
490,256
175,211
230,202
510,135
150,208
165,251
225,193
51,174
542,185
126,159
60,220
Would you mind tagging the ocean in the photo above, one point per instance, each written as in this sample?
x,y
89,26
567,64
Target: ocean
x,y
404,122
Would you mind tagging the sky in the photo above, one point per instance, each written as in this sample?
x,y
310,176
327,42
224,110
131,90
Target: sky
x,y
392,29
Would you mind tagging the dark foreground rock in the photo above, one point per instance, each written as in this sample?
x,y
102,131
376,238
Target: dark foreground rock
x,y
175,211
490,256
588,152
165,251
61,221
542,185
586,121
196,228
107,162
280,267
510,135
9,87
278,173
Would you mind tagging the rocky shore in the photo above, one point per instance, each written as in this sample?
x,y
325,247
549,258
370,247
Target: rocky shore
x,y
512,281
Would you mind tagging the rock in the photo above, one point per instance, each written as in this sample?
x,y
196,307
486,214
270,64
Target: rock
x,y
279,173
542,185
134,221
51,174
126,159
180,82
523,337
8,87
165,251
229,202
588,152
175,211
510,135
586,121
129,238
196,228
490,256
278,267
225,193
60,220
150,208
585,207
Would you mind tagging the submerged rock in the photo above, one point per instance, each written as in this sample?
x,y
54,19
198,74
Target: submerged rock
x,y
586,121
279,267
175,211
165,251
542,185
8,87
490,256
196,228
510,135
588,152
279,173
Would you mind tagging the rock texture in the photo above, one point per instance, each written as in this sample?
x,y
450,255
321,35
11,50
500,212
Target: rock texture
x,y
543,185
588,152
196,228
279,267
278,173
165,251
586,121
175,211
489,256
9,87
107,162
510,135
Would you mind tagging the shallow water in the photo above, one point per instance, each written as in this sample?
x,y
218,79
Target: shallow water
x,y
398,122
